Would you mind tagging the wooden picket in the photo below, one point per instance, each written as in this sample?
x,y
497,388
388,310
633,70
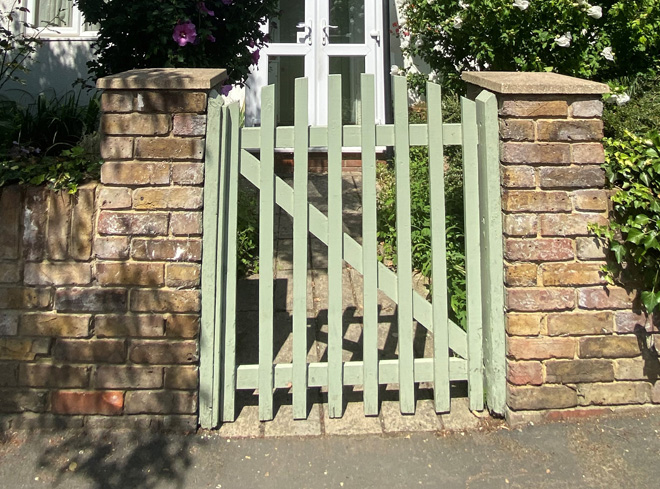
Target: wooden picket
x,y
457,354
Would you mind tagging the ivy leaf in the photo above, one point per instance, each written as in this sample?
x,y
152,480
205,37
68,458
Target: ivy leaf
x,y
650,300
635,236
642,219
619,251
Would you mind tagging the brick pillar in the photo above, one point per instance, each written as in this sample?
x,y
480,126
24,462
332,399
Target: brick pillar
x,y
148,236
570,343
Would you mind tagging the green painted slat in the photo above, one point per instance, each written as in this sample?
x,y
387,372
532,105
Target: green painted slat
x,y
266,225
209,246
335,233
491,253
369,246
403,246
229,353
438,249
300,217
472,253
387,279
318,136
388,373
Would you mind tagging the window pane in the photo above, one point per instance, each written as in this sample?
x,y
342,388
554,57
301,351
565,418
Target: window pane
x,y
282,72
350,68
57,12
283,27
347,17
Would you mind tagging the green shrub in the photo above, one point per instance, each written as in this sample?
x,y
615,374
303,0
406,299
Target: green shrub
x,y
247,235
177,33
641,114
633,169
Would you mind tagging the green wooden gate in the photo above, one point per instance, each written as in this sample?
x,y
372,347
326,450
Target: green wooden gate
x,y
475,355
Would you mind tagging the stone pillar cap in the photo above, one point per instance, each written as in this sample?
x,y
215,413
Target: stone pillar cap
x,y
164,79
532,83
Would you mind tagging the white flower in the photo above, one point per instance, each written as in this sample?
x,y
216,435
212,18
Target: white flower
x,y
584,32
564,41
463,5
595,12
458,22
395,70
521,4
437,47
622,98
582,3
405,43
430,2
434,77
419,43
607,53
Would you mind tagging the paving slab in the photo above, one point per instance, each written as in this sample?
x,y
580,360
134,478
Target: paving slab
x,y
424,419
284,425
353,422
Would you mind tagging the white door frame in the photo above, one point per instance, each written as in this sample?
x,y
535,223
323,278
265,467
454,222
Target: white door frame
x,y
314,45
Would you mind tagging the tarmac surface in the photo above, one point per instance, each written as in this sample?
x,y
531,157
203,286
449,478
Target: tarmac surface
x,y
612,452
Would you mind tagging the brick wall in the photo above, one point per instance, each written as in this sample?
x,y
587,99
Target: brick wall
x,y
574,346
99,292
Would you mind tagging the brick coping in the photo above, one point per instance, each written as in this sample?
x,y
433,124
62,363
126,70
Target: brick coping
x,y
510,82
164,79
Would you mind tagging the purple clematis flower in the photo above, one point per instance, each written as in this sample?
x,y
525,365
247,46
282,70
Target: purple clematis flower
x,y
202,8
226,89
210,38
184,33
227,2
255,56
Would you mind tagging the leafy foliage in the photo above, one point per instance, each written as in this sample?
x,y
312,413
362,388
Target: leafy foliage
x,y
141,34
247,236
633,169
641,114
615,38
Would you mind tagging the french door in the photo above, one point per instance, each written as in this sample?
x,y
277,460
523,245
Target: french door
x,y
316,38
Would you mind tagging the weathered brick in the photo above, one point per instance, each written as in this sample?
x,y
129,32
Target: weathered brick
x,y
130,274
59,225
184,378
590,248
135,124
168,198
90,351
630,322
112,101
521,275
76,402
636,369
24,298
524,324
186,223
521,224
572,177
35,217
91,299
541,397
161,402
161,352
524,373
567,130
55,324
587,154
8,324
577,371
171,101
116,148
609,347
143,300
539,300
182,326
23,349
518,177
580,323
46,375
9,272
591,200
182,275
82,221
587,108
538,249
188,173
135,173
115,198
111,247
189,125
124,377
605,298
533,201
536,153
8,374
169,148
614,393
11,203
113,325
122,223
561,274
516,130
534,108
521,348
58,273
167,249
18,401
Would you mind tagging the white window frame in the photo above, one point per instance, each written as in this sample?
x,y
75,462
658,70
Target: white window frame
x,y
75,32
